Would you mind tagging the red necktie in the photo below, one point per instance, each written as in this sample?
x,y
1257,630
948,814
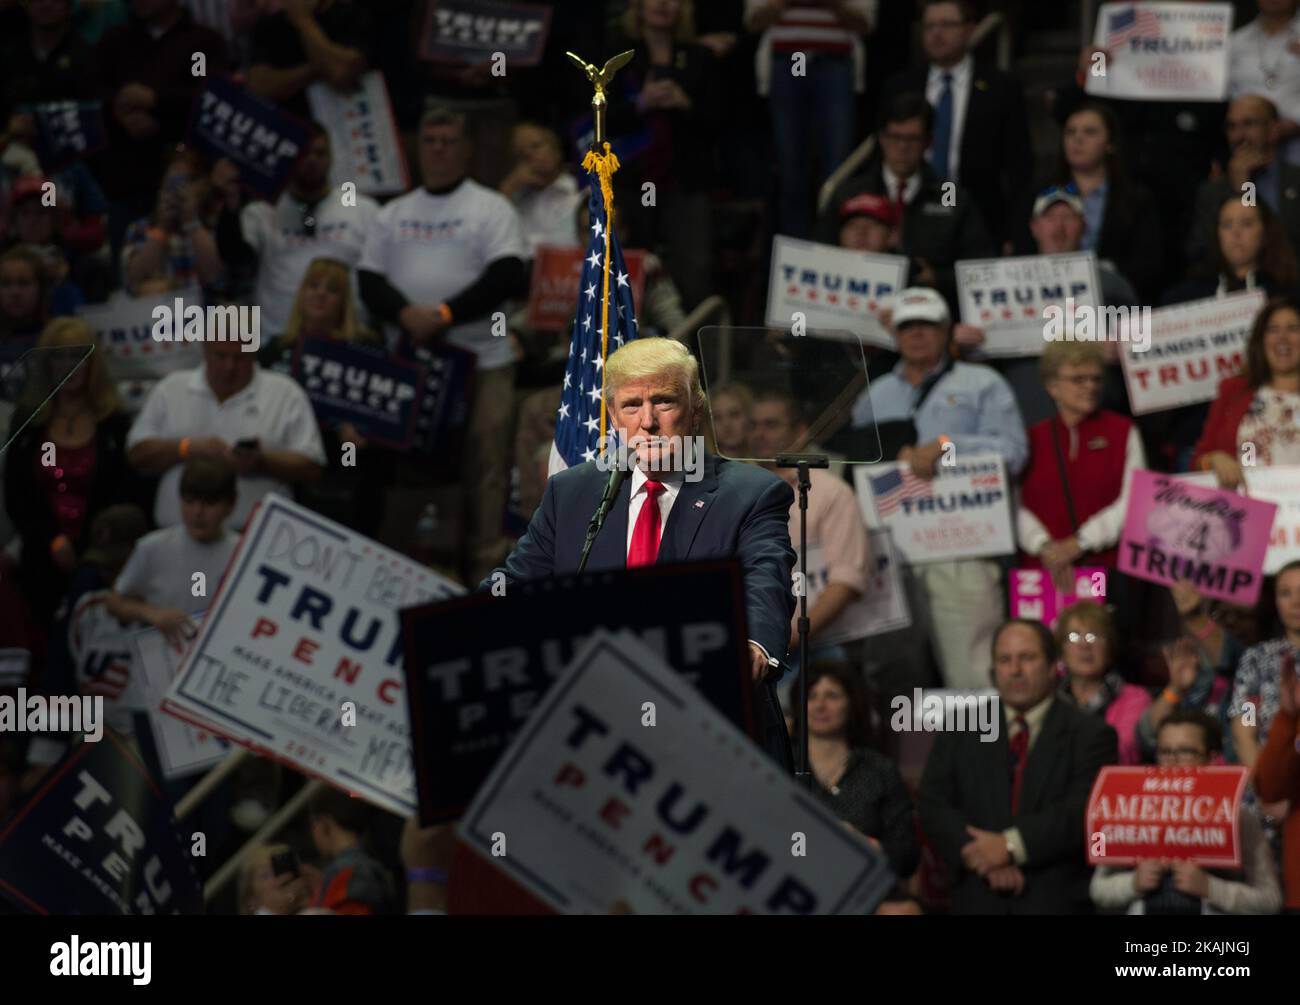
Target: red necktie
x,y
1019,744
645,535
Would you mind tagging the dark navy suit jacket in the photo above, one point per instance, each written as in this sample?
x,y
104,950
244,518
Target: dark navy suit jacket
x,y
745,513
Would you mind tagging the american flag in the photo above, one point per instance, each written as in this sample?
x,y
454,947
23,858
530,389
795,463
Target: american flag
x,y
1132,22
577,426
891,488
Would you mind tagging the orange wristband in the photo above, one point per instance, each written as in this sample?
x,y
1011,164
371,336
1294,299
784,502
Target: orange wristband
x,y
1171,696
184,448
444,312
59,541
156,234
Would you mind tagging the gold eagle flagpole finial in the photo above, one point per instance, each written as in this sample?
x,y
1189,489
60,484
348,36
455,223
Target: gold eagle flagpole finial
x,y
600,78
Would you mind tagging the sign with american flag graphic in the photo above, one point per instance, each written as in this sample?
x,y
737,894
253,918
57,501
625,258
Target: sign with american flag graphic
x,y
578,421
963,512
1162,51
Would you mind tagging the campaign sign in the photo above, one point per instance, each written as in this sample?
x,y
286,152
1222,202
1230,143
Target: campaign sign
x,y
1162,51
262,139
66,131
1280,486
1014,299
102,657
182,749
1136,813
963,512
1194,346
477,666
443,414
97,837
557,273
299,656
124,331
378,394
364,141
882,608
1035,596
1177,530
474,31
687,817
834,289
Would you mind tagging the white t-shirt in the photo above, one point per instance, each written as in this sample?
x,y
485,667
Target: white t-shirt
x,y
272,409
549,215
162,565
1257,60
284,250
432,247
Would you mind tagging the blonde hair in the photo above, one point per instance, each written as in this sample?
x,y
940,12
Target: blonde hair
x,y
255,859
1090,616
644,359
1064,352
743,396
330,268
68,333
683,30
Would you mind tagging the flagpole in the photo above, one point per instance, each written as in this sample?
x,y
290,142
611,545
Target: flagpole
x,y
601,160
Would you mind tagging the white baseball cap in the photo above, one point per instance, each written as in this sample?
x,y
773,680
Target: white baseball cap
x,y
918,303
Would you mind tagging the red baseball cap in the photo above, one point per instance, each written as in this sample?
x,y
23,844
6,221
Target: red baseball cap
x,y
25,187
869,204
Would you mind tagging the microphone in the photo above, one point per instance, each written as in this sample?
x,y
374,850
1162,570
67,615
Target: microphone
x,y
617,476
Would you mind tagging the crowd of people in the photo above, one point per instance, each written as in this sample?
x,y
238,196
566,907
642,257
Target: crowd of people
x,y
115,495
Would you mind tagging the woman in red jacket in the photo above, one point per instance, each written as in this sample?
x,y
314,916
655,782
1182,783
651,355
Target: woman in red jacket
x,y
1277,777
1262,406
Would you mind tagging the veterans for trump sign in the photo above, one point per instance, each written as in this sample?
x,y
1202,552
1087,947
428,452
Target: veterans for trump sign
x,y
1161,51
1137,813
1193,347
882,608
364,142
557,274
1178,530
370,389
832,289
231,121
963,512
1014,299
685,816
300,655
474,31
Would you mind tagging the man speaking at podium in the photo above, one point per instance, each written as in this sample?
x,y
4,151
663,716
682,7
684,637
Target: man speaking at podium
x,y
672,507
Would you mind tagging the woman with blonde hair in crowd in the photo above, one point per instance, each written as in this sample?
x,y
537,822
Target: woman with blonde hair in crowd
x,y
731,407
325,308
68,461
1088,643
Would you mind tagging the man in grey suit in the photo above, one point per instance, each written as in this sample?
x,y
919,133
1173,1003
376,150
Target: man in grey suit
x,y
1252,128
1007,814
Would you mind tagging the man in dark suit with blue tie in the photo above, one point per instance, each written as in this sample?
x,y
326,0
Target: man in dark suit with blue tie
x,y
678,504
1005,810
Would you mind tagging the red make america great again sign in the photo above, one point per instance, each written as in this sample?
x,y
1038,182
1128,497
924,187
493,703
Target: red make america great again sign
x,y
1179,813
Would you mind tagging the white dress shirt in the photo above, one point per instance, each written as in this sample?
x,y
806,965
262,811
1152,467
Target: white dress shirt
x,y
910,187
962,75
1253,55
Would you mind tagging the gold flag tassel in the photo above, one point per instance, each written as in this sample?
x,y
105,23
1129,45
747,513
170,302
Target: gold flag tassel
x,y
604,164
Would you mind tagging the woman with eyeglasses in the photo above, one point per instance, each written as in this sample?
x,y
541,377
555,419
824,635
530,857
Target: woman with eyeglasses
x,y
1261,407
1074,491
1190,739
1087,640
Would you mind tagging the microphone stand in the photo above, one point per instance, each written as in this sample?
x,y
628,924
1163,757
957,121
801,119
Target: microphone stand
x,y
803,463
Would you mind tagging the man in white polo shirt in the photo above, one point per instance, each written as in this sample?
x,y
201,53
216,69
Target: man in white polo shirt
x,y
308,221
229,407
438,263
